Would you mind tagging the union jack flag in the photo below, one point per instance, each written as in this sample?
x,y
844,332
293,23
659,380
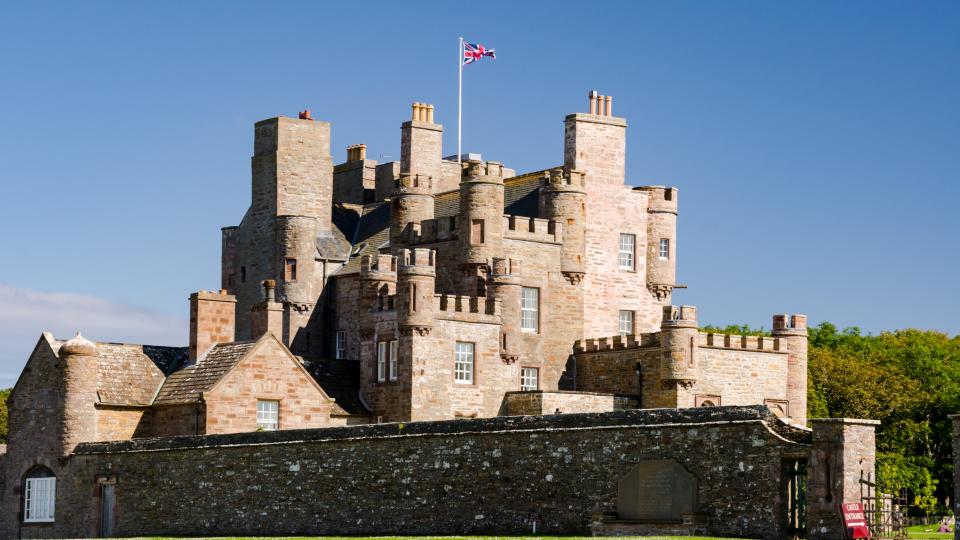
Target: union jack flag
x,y
472,53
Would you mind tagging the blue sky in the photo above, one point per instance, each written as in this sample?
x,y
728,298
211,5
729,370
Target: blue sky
x,y
816,145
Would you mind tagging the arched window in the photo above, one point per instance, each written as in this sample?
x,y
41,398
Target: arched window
x,y
39,495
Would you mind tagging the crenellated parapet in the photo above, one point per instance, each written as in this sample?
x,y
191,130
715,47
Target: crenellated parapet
x,y
616,343
435,230
452,303
748,343
530,229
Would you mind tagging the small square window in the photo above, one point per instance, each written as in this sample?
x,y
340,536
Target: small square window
x,y
463,363
290,269
626,322
665,248
341,345
268,415
628,243
530,309
529,378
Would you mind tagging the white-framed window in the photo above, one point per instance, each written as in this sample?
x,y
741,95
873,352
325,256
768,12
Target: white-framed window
x,y
463,363
628,246
530,309
529,378
393,360
664,248
268,414
383,354
626,322
341,344
39,499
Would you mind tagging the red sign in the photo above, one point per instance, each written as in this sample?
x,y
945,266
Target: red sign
x,y
855,520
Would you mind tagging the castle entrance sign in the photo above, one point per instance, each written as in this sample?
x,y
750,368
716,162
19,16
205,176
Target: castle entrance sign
x,y
656,490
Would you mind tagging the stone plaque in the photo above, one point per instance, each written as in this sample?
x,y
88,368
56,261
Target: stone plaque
x,y
657,490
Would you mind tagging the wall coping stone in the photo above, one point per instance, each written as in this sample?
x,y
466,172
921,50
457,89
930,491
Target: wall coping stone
x,y
630,418
848,421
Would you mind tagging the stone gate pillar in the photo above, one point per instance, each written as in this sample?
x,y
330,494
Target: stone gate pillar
x,y
843,449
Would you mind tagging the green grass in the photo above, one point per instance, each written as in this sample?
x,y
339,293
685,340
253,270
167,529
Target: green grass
x,y
920,531
445,537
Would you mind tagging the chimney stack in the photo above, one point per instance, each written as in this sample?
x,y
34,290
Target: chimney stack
x,y
211,320
267,316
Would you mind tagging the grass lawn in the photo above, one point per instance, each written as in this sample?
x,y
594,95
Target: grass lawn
x,y
919,531
456,537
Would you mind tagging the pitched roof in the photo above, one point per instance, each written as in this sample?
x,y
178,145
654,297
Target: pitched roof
x,y
340,379
185,386
130,374
520,198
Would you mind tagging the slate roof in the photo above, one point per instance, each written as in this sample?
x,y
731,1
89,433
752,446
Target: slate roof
x,y
340,380
185,386
130,374
520,198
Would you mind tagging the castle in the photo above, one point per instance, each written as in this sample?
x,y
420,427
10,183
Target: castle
x,y
433,288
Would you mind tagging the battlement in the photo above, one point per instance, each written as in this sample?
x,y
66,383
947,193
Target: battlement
x,y
381,263
413,183
660,198
562,179
616,343
782,322
506,267
532,229
357,152
456,304
752,343
436,230
476,168
679,314
385,302
418,257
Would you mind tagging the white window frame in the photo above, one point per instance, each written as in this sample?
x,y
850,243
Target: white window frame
x,y
268,414
383,353
529,379
626,319
530,309
628,251
665,249
341,344
40,499
393,361
464,362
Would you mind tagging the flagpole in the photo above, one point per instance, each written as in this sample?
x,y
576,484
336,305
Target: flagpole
x,y
459,99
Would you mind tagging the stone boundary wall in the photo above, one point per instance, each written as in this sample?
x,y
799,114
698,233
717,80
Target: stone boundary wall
x,y
537,402
482,476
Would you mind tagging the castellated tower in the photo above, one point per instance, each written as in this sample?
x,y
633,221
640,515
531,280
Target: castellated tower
x,y
416,276
661,240
563,200
481,218
793,330
292,185
78,422
503,284
678,348
421,146
411,204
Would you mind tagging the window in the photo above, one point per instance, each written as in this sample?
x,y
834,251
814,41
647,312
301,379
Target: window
x,y
383,352
529,378
463,363
341,344
628,244
529,309
268,415
664,248
476,231
626,322
290,269
39,496
243,274
393,360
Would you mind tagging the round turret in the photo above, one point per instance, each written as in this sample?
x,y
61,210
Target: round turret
x,y
792,331
503,284
481,212
416,277
411,204
678,346
563,200
661,240
78,422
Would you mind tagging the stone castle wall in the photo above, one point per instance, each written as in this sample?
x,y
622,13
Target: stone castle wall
x,y
449,478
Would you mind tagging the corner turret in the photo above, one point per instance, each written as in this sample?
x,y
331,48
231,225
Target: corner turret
x,y
410,205
661,240
793,330
416,277
78,422
563,200
678,346
504,285
481,214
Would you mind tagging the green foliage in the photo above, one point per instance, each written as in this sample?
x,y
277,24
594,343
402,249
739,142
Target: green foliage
x,y
735,329
4,394
910,381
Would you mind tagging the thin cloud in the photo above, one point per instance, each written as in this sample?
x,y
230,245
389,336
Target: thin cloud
x,y
25,313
